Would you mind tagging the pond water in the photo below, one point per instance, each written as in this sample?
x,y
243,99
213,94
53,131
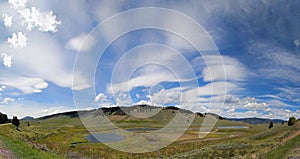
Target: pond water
x,y
232,127
105,137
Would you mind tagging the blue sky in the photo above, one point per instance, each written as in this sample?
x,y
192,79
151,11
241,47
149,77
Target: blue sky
x,y
254,72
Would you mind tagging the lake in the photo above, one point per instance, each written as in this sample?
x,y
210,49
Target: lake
x,y
105,137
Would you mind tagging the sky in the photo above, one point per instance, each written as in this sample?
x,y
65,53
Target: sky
x,y
234,58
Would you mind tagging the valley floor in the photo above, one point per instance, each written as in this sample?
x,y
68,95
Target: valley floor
x,y
65,137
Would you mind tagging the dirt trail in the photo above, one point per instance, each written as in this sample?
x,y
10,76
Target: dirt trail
x,y
291,136
5,153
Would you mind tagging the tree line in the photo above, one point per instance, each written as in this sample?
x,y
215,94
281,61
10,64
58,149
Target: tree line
x,y
4,119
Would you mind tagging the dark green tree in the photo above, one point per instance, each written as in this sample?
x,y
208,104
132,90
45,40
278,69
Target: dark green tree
x,y
292,121
271,125
3,118
15,121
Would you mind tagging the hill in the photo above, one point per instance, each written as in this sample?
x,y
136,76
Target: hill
x,y
256,120
123,110
28,118
227,139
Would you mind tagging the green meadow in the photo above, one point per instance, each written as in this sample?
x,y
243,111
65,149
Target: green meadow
x,y
65,137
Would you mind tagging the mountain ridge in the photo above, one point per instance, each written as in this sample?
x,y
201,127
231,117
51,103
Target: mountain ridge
x,y
118,110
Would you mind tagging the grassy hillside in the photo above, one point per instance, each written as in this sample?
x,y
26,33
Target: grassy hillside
x,y
65,136
286,150
23,149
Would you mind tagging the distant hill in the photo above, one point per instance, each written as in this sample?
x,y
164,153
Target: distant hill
x,y
28,118
139,108
256,120
215,115
119,110
71,114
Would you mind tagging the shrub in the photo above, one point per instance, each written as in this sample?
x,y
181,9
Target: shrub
x,y
271,125
15,121
292,121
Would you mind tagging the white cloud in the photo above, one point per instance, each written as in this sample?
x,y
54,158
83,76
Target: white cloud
x,y
1,89
52,110
226,72
123,99
7,20
80,83
272,113
167,97
41,85
218,67
26,84
111,8
18,40
255,105
213,89
32,17
137,95
144,102
272,96
148,69
282,113
231,110
179,43
249,103
286,59
274,62
278,103
100,97
289,93
57,69
7,62
34,109
82,42
144,80
7,100
16,4
297,43
231,99
47,62
252,107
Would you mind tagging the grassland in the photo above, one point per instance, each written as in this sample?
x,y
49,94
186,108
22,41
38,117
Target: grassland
x,y
285,150
22,149
65,137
